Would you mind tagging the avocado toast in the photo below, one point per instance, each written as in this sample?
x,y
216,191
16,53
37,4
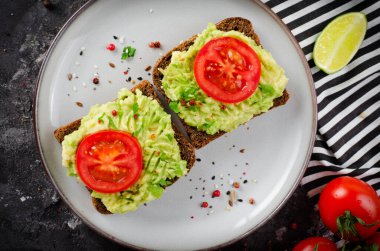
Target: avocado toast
x,y
167,155
205,119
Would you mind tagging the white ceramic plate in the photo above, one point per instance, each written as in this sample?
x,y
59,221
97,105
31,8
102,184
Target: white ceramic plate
x,y
277,145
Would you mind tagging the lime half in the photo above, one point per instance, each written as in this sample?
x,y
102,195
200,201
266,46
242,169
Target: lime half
x,y
339,41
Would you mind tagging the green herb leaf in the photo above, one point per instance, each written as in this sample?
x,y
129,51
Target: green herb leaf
x,y
267,89
111,123
162,182
163,156
135,108
135,133
128,52
169,136
101,118
174,106
155,190
208,125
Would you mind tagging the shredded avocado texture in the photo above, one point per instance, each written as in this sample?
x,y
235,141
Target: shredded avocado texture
x,y
151,125
208,114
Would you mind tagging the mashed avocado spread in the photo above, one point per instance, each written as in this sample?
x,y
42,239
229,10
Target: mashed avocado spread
x,y
152,128
212,116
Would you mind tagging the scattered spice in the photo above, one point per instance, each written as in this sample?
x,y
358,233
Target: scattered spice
x,y
192,217
245,181
139,78
70,76
47,4
223,107
204,204
198,159
111,47
240,200
135,116
216,193
236,184
228,192
95,80
152,136
155,44
213,177
109,81
191,197
148,68
242,150
129,79
251,201
183,102
192,102
79,104
112,65
213,163
81,53
114,113
133,82
125,72
115,37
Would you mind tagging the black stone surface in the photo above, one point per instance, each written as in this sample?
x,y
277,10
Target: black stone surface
x,y
32,215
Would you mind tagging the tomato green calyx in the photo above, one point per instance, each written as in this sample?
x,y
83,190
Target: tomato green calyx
x,y
316,247
346,225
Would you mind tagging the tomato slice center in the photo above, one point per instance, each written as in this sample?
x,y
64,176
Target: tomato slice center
x,y
227,69
109,161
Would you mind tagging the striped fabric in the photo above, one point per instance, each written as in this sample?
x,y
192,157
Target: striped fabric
x,y
348,136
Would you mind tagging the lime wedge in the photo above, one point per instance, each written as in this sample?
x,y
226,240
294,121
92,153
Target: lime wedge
x,y
339,41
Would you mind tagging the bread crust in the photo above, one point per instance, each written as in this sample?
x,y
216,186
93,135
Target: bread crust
x,y
201,138
187,151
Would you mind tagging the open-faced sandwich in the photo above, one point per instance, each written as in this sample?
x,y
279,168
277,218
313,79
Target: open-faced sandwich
x,y
126,151
220,79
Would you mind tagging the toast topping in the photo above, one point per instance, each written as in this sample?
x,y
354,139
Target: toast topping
x,y
210,115
162,161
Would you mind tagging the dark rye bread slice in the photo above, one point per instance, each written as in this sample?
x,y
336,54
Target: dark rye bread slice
x,y
186,149
200,138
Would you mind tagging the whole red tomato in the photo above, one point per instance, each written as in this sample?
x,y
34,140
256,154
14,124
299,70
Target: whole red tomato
x,y
374,240
353,205
315,243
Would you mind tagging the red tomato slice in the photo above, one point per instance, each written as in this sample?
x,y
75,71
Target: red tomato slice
x,y
227,69
109,161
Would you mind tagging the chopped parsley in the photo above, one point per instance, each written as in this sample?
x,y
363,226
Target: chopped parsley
x,y
128,52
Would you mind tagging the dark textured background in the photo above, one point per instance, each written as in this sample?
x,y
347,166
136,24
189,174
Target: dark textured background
x,y
32,215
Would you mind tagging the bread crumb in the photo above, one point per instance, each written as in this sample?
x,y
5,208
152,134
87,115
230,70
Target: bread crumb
x,y
242,150
79,104
112,65
69,76
363,115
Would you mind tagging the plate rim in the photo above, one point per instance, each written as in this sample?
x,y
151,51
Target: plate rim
x,y
40,154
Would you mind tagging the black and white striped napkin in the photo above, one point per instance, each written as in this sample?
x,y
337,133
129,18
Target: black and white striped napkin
x,y
348,136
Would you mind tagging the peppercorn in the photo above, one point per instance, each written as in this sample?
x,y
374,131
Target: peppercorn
x,y
216,193
204,204
111,47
